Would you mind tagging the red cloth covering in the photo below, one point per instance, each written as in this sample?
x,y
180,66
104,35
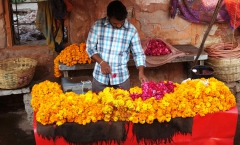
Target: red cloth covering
x,y
233,8
213,129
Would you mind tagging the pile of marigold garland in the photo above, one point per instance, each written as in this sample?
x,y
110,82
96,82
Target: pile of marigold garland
x,y
198,96
70,56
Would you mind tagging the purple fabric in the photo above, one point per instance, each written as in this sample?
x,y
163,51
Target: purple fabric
x,y
174,4
201,11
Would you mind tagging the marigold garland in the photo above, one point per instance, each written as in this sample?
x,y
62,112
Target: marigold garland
x,y
44,91
198,96
70,56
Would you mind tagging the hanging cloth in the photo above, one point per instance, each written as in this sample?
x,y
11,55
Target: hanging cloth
x,y
60,9
44,22
233,8
198,11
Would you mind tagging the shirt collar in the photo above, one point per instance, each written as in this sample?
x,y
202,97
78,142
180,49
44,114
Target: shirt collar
x,y
107,22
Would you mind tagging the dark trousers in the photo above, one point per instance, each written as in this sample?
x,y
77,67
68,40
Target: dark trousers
x,y
97,86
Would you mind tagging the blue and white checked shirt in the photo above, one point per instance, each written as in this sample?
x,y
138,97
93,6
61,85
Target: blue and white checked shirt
x,y
113,46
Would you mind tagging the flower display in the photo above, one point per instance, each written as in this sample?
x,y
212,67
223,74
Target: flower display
x,y
156,90
70,56
192,97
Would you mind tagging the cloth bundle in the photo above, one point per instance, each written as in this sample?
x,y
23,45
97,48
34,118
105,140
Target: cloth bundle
x,y
198,11
154,61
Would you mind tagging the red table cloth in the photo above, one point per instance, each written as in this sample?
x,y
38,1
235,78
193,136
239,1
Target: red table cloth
x,y
213,129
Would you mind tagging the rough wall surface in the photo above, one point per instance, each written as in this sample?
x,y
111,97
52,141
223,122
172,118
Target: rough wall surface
x,y
150,17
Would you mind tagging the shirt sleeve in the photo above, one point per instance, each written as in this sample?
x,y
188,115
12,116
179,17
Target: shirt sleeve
x,y
137,51
92,40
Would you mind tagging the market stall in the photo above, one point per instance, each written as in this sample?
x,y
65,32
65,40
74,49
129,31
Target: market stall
x,y
198,111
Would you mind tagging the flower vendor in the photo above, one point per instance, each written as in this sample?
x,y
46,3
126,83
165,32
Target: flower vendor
x,y
109,43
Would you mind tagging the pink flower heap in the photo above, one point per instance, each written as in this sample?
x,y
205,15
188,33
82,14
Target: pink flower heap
x,y
156,47
156,90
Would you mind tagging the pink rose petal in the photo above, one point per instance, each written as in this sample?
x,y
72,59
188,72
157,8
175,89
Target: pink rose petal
x,y
114,75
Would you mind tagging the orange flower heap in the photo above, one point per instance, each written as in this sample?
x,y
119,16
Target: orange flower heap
x,y
70,56
53,106
42,92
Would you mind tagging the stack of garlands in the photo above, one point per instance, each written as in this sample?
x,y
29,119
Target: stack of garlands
x,y
53,106
198,96
70,56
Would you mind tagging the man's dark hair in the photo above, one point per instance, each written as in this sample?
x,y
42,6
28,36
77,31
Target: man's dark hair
x,y
117,10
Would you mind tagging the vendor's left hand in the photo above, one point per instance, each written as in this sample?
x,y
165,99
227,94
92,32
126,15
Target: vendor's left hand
x,y
142,78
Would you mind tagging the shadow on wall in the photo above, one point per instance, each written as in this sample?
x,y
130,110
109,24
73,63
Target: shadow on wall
x,y
43,73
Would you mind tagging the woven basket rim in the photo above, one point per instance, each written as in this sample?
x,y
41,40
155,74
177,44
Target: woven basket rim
x,y
226,69
223,61
33,62
18,72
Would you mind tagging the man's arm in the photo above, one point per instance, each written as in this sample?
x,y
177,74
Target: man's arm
x,y
105,68
139,57
141,75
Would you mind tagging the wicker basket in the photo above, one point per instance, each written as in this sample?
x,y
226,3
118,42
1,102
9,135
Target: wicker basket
x,y
225,69
16,72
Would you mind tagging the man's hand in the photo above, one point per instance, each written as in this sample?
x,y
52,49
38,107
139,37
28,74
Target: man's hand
x,y
105,68
142,77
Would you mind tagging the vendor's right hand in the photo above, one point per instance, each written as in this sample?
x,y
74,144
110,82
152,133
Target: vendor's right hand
x,y
105,68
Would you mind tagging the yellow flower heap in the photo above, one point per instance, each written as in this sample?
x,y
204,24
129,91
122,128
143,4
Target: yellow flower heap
x,y
198,96
70,56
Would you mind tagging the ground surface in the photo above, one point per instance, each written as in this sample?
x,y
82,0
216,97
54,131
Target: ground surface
x,y
14,127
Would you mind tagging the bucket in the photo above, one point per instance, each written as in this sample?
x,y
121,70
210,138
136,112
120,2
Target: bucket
x,y
201,71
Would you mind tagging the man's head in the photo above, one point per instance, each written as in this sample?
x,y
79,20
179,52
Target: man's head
x,y
117,9
117,13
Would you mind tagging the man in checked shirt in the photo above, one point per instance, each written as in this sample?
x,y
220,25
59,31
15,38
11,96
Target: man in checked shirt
x,y
109,43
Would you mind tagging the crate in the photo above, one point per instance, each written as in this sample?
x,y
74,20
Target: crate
x,y
79,85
